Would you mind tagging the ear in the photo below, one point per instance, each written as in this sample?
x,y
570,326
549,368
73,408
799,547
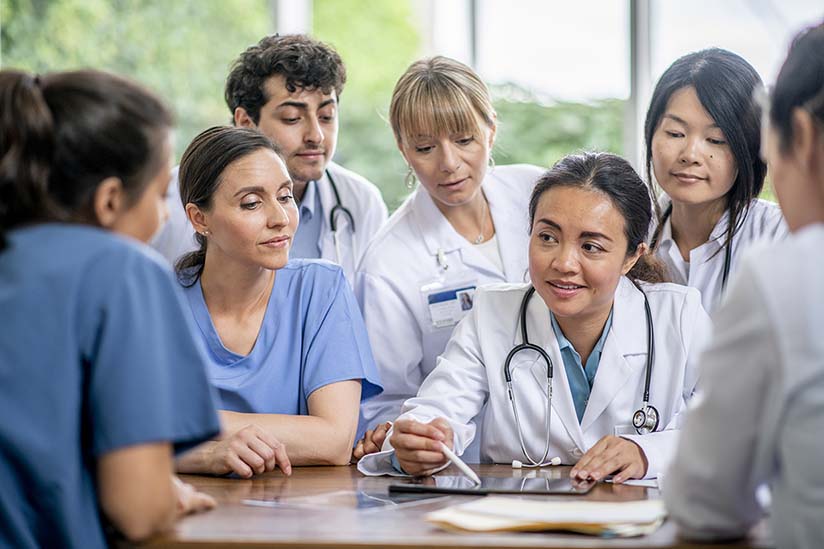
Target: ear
x,y
806,140
399,143
632,259
243,120
493,129
109,201
197,218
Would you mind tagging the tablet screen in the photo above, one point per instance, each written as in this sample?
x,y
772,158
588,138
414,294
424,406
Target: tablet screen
x,y
493,485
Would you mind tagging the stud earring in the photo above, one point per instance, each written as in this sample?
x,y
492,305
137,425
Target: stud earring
x,y
410,180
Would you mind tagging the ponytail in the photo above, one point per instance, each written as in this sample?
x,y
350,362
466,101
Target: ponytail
x,y
64,133
27,140
649,268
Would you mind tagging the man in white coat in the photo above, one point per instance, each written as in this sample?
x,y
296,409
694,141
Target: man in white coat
x,y
288,87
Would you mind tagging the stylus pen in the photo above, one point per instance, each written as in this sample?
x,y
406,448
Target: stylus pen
x,y
460,464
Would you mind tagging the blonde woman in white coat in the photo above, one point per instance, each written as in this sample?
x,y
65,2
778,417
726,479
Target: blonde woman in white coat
x,y
702,141
464,226
593,281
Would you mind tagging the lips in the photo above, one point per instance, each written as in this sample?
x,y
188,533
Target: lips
x,y
310,154
687,177
565,289
277,242
452,184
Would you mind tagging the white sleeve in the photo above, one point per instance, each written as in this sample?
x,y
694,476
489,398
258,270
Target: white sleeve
x,y
396,343
710,488
456,390
659,447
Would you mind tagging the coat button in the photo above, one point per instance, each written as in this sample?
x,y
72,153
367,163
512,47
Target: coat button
x,y
576,453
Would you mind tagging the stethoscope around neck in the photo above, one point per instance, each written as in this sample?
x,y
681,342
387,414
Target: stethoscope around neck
x,y
645,419
338,208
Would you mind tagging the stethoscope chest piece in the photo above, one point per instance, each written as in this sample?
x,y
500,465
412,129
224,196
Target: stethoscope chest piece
x,y
645,420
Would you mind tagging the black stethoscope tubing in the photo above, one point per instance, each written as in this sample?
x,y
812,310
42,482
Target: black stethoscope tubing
x,y
338,207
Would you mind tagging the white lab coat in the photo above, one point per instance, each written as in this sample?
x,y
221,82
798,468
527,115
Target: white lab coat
x,y
358,195
405,255
760,416
470,375
705,268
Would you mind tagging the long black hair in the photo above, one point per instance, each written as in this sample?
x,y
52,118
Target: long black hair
x,y
64,133
724,83
200,175
614,177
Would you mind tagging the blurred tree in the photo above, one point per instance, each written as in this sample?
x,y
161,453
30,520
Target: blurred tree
x,y
376,50
181,49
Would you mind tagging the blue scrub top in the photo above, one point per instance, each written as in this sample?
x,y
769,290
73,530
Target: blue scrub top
x,y
312,335
306,244
96,354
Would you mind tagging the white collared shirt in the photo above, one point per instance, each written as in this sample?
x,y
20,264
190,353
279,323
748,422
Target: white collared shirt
x,y
705,267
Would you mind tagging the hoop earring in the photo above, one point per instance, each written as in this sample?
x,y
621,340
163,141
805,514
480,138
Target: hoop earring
x,y
410,180
491,163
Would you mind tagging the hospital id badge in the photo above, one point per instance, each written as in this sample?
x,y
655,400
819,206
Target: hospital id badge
x,y
448,300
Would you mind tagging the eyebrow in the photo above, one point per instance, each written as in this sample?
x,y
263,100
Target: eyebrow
x,y
584,234
244,190
684,122
303,105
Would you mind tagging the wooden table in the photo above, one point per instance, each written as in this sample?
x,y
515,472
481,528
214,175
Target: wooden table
x,y
234,523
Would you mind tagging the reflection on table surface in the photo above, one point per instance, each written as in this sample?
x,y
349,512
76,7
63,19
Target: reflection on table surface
x,y
338,507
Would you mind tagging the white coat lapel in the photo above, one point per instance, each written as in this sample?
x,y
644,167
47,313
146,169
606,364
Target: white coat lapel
x,y
511,229
541,334
628,337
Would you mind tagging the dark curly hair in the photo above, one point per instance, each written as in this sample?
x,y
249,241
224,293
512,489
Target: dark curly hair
x,y
303,61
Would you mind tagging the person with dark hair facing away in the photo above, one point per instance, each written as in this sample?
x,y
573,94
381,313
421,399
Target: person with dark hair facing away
x,y
288,88
610,344
289,353
702,142
101,378
761,415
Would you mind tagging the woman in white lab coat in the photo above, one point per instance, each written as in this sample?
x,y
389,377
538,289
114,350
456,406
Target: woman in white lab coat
x,y
761,415
702,141
589,218
465,225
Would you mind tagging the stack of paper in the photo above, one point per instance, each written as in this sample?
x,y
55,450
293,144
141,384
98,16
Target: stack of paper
x,y
495,514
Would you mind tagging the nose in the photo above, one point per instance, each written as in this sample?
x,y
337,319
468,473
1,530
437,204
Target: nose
x,y
691,151
278,215
450,161
313,133
565,260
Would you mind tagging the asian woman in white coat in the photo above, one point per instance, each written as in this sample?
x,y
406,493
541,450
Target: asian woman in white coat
x,y
465,225
597,302
702,141
761,416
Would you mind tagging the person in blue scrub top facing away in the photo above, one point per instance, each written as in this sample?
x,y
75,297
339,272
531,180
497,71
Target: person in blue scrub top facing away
x,y
289,353
702,142
102,380
761,416
597,308
462,227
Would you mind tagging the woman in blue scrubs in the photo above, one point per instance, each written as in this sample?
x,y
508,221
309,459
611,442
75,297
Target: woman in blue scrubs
x,y
290,356
101,378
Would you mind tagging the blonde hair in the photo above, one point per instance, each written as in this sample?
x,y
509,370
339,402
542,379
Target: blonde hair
x,y
439,96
